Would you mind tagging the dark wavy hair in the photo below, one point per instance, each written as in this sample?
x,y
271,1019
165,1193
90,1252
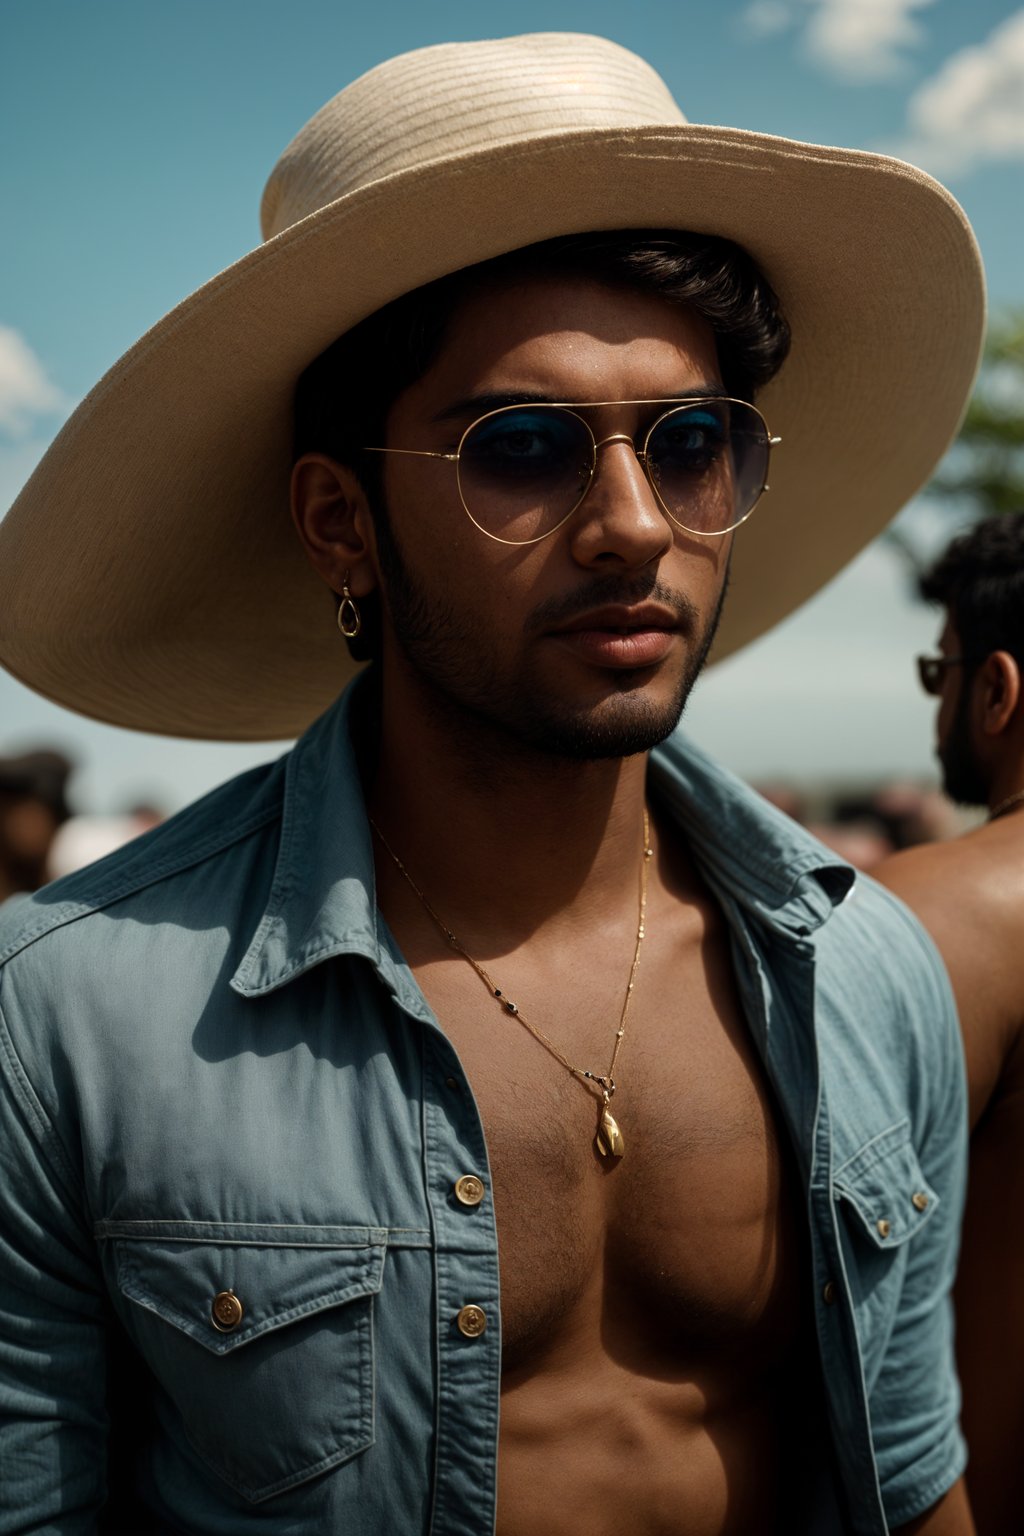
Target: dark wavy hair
x,y
343,398
980,580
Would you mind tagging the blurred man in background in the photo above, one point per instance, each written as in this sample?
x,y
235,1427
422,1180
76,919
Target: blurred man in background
x,y
970,893
32,808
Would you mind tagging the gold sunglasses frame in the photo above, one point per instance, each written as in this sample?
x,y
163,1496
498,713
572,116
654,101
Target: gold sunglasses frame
x,y
574,407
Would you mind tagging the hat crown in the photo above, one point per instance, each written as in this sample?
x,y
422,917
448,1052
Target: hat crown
x,y
454,98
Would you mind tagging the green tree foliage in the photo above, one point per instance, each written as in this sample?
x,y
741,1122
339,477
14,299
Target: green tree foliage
x,y
983,472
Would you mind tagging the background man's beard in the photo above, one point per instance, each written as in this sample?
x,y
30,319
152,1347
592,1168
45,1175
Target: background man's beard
x,y
962,778
444,652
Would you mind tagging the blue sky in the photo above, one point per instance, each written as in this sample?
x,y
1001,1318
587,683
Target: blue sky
x,y
135,142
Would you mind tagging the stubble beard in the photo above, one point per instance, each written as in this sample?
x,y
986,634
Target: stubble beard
x,y
469,689
962,777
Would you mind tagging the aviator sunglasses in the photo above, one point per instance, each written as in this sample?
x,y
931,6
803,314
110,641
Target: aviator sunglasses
x,y
524,469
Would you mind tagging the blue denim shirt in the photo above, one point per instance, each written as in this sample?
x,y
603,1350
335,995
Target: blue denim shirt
x,y
217,1074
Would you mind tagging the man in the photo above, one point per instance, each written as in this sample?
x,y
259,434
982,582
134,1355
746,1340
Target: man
x,y
968,892
479,1053
33,808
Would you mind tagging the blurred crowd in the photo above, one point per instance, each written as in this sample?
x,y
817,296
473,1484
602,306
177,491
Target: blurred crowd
x,y
866,824
42,837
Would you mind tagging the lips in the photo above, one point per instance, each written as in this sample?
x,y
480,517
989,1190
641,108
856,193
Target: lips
x,y
621,637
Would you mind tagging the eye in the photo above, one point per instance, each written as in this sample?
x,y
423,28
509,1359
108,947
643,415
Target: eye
x,y
523,443
689,441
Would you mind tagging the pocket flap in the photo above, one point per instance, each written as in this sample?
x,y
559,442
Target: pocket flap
x,y
273,1274
884,1188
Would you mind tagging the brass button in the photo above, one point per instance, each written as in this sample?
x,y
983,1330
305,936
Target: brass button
x,y
919,1201
226,1311
828,1293
469,1190
884,1227
471,1321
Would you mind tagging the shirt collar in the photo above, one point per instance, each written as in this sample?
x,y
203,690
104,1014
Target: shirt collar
x,y
323,899
747,849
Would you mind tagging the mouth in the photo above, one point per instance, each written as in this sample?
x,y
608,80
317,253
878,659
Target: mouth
x,y
621,637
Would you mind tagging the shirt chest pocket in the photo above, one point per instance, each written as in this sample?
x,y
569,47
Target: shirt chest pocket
x,y
262,1339
885,1202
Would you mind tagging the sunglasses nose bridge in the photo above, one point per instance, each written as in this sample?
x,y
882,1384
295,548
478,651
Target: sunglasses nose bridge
x,y
640,454
616,437
621,437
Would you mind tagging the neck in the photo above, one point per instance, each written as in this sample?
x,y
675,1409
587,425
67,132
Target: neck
x,y
1006,785
1002,804
504,839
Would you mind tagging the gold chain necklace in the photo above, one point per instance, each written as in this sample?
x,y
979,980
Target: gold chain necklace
x,y
1006,805
609,1140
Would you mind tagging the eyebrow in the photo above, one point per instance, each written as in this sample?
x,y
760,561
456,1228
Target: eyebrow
x,y
480,404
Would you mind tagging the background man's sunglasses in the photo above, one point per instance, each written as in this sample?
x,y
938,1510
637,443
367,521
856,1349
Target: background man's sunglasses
x,y
931,670
524,469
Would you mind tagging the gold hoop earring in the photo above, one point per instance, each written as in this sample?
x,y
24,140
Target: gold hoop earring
x,y
350,620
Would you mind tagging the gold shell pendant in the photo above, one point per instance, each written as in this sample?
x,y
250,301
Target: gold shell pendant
x,y
608,1140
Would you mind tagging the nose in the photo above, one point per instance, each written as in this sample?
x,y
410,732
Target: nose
x,y
619,520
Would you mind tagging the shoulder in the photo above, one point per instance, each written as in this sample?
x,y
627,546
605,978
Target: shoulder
x,y
876,952
883,1002
171,862
106,974
971,885
968,894
888,1033
934,871
876,942
879,928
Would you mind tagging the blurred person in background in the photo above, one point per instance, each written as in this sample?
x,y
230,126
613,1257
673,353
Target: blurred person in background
x,y
85,838
868,826
917,813
970,893
854,830
33,808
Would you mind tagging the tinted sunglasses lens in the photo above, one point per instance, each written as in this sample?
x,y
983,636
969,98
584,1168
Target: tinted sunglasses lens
x,y
930,673
523,469
708,463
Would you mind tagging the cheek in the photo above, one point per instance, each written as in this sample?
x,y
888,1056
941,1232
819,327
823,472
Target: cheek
x,y
946,714
423,508
702,568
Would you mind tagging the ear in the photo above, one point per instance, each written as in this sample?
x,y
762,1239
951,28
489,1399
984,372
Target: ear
x,y
334,523
1001,692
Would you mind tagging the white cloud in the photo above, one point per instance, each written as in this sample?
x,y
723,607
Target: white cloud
x,y
25,389
763,18
857,40
864,39
972,110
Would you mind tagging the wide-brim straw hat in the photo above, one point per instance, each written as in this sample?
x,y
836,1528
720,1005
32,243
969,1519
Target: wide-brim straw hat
x,y
149,572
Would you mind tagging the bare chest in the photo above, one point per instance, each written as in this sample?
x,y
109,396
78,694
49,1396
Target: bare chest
x,y
689,1245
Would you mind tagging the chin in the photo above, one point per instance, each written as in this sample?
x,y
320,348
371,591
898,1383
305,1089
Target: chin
x,y
622,726
962,779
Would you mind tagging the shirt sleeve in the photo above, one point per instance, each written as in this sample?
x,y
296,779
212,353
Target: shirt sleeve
x,y
52,1332
915,1399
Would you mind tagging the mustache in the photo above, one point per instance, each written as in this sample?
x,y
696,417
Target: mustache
x,y
613,591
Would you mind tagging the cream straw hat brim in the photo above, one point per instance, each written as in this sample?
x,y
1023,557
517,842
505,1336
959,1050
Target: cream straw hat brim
x,y
149,573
